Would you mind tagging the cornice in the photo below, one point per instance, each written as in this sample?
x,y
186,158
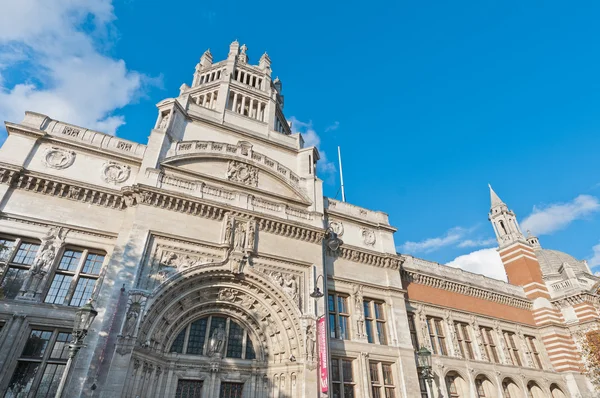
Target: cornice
x,y
373,287
575,299
410,276
376,259
43,223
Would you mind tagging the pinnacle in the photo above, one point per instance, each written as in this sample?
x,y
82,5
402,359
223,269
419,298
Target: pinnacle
x,y
495,199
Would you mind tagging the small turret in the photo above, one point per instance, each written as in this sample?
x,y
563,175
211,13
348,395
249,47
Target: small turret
x,y
243,57
265,62
533,240
207,59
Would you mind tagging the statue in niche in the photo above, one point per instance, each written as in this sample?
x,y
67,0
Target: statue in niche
x,y
311,339
131,320
251,236
229,231
217,340
165,121
290,286
357,292
240,237
49,247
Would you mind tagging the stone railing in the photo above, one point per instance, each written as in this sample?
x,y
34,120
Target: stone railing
x,y
355,211
240,150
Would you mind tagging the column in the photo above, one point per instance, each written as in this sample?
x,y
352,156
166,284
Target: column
x,y
212,100
235,100
205,100
15,332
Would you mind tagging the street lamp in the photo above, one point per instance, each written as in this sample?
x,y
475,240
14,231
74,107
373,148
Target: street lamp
x,y
84,317
317,293
424,362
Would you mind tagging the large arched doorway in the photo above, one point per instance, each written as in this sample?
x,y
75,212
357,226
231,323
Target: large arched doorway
x,y
484,388
213,333
456,385
534,390
510,389
557,392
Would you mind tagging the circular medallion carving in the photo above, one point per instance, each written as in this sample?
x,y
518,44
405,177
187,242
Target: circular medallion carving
x,y
337,227
368,236
58,158
115,173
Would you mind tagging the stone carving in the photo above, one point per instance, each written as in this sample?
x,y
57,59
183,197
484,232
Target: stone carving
x,y
217,340
229,231
240,237
368,236
357,296
58,158
48,249
337,227
131,320
425,340
228,294
311,339
453,337
242,173
237,263
287,282
113,172
179,261
165,121
251,236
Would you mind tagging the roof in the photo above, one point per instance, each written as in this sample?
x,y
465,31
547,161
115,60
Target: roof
x,y
551,261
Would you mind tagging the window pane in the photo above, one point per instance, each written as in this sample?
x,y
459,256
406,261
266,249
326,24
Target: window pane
x,y
36,344
373,372
332,326
177,345
337,391
381,333
335,370
83,291
347,371
189,389
93,264
376,391
6,246
367,308
379,311
69,260
342,305
12,282
50,380
348,391
26,253
231,390
235,340
197,335
344,328
369,327
388,379
390,393
250,354
61,346
22,380
59,289
331,303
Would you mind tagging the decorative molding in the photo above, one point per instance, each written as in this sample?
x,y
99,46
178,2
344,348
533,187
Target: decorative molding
x,y
440,282
242,173
370,258
58,158
115,173
368,236
337,227
40,223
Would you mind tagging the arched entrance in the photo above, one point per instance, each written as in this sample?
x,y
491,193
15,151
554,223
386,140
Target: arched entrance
x,y
456,385
510,389
534,390
211,332
484,388
557,392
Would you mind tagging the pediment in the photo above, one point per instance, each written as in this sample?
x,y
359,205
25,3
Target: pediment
x,y
236,165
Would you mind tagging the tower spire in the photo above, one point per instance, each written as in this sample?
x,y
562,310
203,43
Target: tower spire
x,y
495,199
504,222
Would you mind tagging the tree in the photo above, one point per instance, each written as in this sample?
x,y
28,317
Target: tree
x,y
591,354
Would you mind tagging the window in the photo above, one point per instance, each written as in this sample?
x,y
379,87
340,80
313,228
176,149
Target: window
x,y
509,338
75,278
338,316
231,390
375,322
464,340
533,352
506,390
189,389
342,379
194,339
436,334
451,384
423,387
382,380
41,364
488,343
413,331
19,261
480,389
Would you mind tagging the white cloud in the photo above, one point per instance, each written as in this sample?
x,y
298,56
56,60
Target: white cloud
x,y
333,127
551,218
311,138
57,43
594,261
485,261
457,236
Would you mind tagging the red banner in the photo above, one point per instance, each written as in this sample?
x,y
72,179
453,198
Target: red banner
x,y
322,336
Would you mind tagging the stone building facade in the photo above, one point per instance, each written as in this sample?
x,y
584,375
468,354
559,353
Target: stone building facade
x,y
200,250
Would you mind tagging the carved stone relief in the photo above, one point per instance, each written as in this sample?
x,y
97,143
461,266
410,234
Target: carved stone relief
x,y
113,172
368,236
337,227
288,282
453,337
357,298
242,173
58,158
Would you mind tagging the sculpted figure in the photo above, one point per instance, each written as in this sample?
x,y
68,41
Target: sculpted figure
x,y
240,237
251,236
311,339
131,321
228,231
290,286
216,341
164,122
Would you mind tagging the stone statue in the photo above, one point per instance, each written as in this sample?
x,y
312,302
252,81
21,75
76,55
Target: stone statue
x,y
131,320
290,286
217,340
251,236
357,293
44,260
228,232
311,340
240,237
164,122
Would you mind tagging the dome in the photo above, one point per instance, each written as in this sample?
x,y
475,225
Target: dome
x,y
551,261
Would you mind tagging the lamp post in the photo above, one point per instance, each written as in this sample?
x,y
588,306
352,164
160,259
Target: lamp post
x,y
424,362
83,320
333,243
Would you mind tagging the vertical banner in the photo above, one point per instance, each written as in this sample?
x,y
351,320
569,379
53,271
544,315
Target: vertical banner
x,y
324,371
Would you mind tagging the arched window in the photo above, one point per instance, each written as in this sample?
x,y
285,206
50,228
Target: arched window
x,y
195,338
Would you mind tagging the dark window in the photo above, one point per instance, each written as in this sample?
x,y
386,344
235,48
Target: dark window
x,y
177,345
338,316
231,390
189,389
437,336
413,331
342,378
235,340
489,344
197,336
18,264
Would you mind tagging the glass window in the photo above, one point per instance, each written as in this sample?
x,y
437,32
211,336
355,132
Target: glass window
x,y
235,341
93,264
413,331
47,352
189,389
83,291
26,253
533,352
177,345
515,358
489,344
69,260
437,336
451,384
338,316
382,380
6,246
17,266
375,322
464,340
231,390
342,378
12,282
197,336
58,289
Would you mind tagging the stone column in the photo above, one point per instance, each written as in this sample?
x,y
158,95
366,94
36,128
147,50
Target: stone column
x,y
16,331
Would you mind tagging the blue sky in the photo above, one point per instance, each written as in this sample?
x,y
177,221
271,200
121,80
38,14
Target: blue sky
x,y
430,101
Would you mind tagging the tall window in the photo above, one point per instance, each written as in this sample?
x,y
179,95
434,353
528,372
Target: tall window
x,y
375,321
437,336
194,339
19,261
513,349
451,384
342,378
231,390
479,388
338,316
75,277
533,352
423,387
489,344
41,364
506,390
382,380
413,331
464,339
189,389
